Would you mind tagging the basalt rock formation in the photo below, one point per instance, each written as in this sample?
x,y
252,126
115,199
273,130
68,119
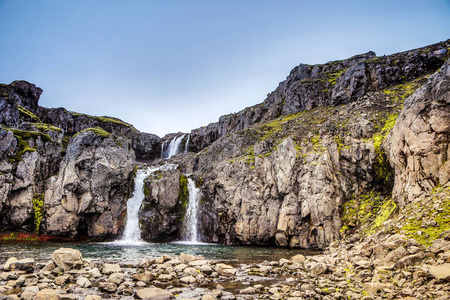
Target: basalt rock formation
x,y
61,173
337,148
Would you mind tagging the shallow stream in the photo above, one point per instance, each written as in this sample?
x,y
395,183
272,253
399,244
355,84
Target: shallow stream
x,y
125,253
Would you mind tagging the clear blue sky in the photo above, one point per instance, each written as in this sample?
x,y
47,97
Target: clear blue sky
x,y
168,66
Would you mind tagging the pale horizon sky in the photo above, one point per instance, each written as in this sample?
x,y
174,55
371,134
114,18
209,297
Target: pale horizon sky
x,y
169,66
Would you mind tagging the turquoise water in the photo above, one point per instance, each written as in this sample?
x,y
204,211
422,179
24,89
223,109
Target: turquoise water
x,y
117,252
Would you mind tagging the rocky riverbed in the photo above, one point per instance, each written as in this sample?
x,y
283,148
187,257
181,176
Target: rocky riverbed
x,y
377,267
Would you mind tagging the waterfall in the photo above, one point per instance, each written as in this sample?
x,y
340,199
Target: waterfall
x,y
132,234
191,218
173,147
186,146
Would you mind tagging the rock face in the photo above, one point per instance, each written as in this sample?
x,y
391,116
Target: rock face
x,y
308,87
270,178
89,194
164,206
334,146
55,180
418,146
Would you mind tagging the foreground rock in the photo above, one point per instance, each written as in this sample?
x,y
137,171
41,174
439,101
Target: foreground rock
x,y
382,266
67,258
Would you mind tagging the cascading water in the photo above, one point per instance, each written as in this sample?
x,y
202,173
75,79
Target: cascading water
x,y
191,218
167,151
132,234
186,146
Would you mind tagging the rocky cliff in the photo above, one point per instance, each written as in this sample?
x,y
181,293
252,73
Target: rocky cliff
x,y
68,177
337,148
316,160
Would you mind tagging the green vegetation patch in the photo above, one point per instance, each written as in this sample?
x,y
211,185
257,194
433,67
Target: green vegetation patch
x,y
428,219
334,76
25,112
22,137
367,212
382,170
46,127
38,208
183,196
398,93
97,130
104,120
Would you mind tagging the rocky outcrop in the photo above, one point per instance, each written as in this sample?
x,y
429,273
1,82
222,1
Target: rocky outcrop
x,y
28,158
164,206
89,194
146,145
339,82
33,142
418,146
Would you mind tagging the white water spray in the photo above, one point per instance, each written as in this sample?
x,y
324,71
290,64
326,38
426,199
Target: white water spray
x,y
191,218
167,151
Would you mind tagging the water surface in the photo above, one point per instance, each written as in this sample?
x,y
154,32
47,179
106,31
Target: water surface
x,y
125,252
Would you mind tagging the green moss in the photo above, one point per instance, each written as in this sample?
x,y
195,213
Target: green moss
x,y
146,191
435,209
399,93
334,76
46,127
23,136
25,112
383,214
38,208
367,212
104,120
382,170
183,196
65,143
97,130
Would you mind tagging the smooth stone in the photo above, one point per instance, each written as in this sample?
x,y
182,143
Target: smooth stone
x,y
47,294
111,268
188,279
7,265
154,294
84,282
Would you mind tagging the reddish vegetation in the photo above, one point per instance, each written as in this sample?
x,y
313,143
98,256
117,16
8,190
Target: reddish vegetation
x,y
31,237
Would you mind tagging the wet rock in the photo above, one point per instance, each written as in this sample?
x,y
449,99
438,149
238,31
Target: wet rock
x,y
248,291
108,287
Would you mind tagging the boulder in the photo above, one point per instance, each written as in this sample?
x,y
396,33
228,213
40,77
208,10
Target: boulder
x,y
84,282
440,272
7,266
47,294
298,259
111,268
67,258
154,294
